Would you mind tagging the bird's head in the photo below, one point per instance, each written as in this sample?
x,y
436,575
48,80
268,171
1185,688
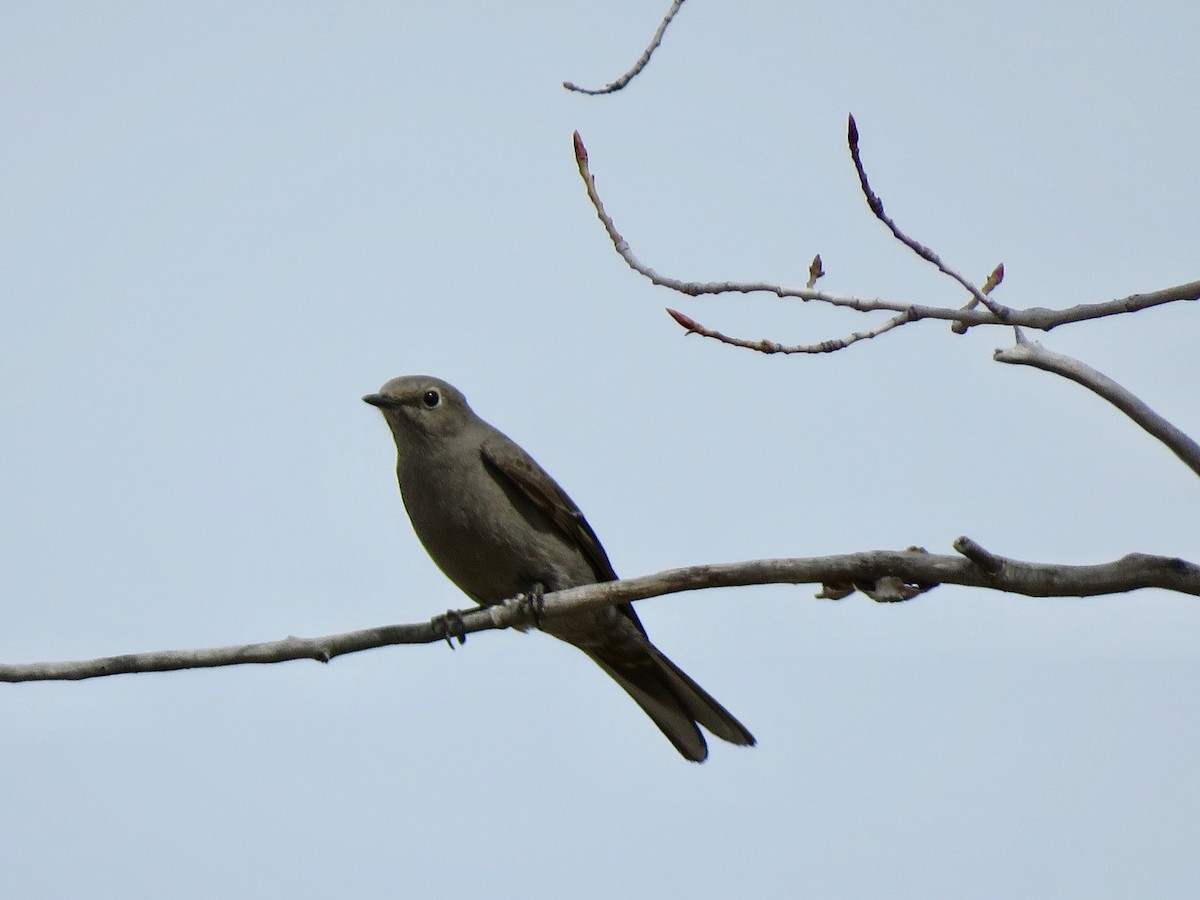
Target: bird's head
x,y
421,407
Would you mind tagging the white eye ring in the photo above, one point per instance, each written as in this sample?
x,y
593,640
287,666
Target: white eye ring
x,y
431,399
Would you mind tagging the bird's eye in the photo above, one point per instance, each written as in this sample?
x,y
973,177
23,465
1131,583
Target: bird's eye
x,y
431,399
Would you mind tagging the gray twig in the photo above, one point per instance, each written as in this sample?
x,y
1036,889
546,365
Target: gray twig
x,y
1030,353
765,345
637,66
927,254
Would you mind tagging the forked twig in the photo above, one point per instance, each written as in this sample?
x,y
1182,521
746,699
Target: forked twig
x,y
1037,317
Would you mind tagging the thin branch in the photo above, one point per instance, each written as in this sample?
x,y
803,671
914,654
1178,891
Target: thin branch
x,y
927,254
892,574
637,66
1031,353
1040,318
768,346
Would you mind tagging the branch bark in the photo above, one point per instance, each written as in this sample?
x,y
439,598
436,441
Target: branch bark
x,y
976,567
1030,353
766,345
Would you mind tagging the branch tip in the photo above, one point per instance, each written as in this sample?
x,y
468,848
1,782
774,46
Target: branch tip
x,y
985,560
994,279
683,319
815,270
637,66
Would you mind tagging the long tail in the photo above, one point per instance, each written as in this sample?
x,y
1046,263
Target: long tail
x,y
674,701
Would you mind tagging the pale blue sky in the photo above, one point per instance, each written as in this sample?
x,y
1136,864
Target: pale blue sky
x,y
223,224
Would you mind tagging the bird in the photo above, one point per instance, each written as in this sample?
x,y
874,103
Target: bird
x,y
498,526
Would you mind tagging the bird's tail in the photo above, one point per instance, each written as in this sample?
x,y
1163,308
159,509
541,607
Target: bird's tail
x,y
674,701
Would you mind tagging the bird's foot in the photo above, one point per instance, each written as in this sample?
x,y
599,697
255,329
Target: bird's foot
x,y
526,609
450,626
537,603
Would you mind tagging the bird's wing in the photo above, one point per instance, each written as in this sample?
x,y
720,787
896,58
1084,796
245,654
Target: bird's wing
x,y
518,467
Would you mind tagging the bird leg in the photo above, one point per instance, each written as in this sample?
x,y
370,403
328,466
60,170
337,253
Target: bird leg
x,y
450,626
537,602
523,611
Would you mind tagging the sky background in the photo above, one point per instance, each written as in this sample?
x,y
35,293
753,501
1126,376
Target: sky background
x,y
223,223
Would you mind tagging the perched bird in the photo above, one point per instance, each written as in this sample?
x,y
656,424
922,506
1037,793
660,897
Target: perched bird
x,y
497,525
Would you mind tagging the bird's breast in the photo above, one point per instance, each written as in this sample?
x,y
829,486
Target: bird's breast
x,y
480,534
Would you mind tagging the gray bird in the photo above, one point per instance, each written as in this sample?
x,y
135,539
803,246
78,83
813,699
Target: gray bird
x,y
497,525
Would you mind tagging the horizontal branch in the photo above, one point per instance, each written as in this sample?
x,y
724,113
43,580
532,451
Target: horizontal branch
x,y
1037,317
867,571
1044,319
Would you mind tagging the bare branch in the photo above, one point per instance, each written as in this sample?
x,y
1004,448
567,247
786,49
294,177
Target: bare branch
x,y
1031,353
891,575
637,66
1040,318
927,254
769,346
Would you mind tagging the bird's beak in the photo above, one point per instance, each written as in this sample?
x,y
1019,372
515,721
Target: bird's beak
x,y
381,401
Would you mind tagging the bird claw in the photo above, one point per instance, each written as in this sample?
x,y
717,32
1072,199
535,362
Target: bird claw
x,y
450,626
537,603
525,610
